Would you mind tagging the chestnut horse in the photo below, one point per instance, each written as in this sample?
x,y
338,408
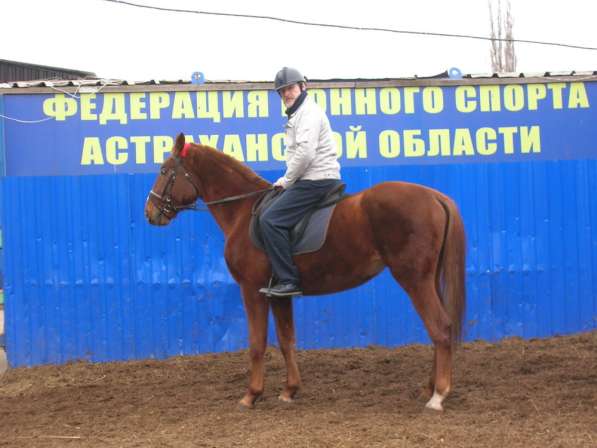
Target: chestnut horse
x,y
415,231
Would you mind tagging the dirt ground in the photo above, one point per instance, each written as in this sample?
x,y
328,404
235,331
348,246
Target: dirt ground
x,y
538,393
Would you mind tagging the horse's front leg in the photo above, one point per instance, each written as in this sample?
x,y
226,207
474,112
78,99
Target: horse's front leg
x,y
282,309
256,307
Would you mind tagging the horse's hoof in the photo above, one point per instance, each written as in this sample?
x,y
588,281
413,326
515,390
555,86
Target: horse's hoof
x,y
435,403
285,398
244,407
434,408
246,404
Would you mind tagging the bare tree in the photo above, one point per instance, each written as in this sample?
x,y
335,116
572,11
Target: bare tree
x,y
503,57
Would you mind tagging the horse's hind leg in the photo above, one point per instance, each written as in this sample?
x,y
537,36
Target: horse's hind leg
x,y
282,309
431,310
257,308
441,376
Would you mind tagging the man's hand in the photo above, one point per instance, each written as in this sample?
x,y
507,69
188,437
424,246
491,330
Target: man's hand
x,y
282,183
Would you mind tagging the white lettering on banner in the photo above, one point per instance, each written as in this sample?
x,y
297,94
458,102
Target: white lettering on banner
x,y
257,104
157,102
352,144
113,109
182,106
356,143
207,106
59,107
460,142
516,97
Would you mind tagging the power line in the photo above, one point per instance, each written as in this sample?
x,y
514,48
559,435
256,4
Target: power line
x,y
25,121
348,27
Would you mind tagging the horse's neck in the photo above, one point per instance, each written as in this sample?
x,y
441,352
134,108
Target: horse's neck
x,y
221,180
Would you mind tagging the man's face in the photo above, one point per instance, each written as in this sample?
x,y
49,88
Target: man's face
x,y
289,94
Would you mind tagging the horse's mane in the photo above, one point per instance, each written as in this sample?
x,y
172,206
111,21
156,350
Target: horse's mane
x,y
224,160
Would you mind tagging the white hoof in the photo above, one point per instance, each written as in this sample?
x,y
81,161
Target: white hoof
x,y
285,399
436,402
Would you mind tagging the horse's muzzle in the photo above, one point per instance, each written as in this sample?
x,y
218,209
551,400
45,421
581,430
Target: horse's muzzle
x,y
154,215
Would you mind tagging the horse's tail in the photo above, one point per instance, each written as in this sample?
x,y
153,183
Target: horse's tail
x,y
451,269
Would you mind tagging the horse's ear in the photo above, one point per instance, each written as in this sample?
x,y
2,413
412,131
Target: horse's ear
x,y
180,141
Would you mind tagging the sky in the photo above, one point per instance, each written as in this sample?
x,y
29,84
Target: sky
x,y
122,42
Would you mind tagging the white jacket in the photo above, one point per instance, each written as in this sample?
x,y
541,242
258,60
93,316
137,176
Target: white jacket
x,y
310,146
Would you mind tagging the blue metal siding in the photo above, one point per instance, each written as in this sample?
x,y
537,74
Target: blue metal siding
x,y
88,278
2,166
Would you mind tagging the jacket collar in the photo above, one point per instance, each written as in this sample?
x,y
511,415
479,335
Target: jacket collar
x,y
297,103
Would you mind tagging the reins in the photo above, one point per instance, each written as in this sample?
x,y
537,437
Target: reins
x,y
194,207
168,207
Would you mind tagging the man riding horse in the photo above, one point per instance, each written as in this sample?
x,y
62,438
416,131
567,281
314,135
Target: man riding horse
x,y
427,256
312,169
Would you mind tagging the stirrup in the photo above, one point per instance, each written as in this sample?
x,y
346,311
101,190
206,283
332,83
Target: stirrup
x,y
267,288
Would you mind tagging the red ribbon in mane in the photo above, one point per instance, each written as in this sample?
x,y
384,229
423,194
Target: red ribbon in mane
x,y
185,150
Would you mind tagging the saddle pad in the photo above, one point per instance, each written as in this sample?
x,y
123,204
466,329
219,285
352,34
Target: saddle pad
x,y
312,238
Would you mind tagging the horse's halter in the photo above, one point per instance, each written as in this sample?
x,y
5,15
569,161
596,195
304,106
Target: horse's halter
x,y
165,204
167,207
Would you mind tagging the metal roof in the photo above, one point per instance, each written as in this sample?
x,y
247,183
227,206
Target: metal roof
x,y
15,70
94,85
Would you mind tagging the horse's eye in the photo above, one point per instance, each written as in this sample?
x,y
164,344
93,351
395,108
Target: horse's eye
x,y
163,171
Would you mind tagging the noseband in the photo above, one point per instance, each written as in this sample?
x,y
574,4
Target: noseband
x,y
166,205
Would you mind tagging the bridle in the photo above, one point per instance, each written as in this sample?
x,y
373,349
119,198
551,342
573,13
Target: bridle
x,y
166,204
168,207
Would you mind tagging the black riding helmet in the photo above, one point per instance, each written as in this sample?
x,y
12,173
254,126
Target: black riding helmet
x,y
286,77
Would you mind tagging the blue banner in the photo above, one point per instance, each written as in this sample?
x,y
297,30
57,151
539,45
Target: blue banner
x,y
133,132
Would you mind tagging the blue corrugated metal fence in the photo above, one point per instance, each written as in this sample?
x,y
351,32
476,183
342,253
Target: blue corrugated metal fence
x,y
88,278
